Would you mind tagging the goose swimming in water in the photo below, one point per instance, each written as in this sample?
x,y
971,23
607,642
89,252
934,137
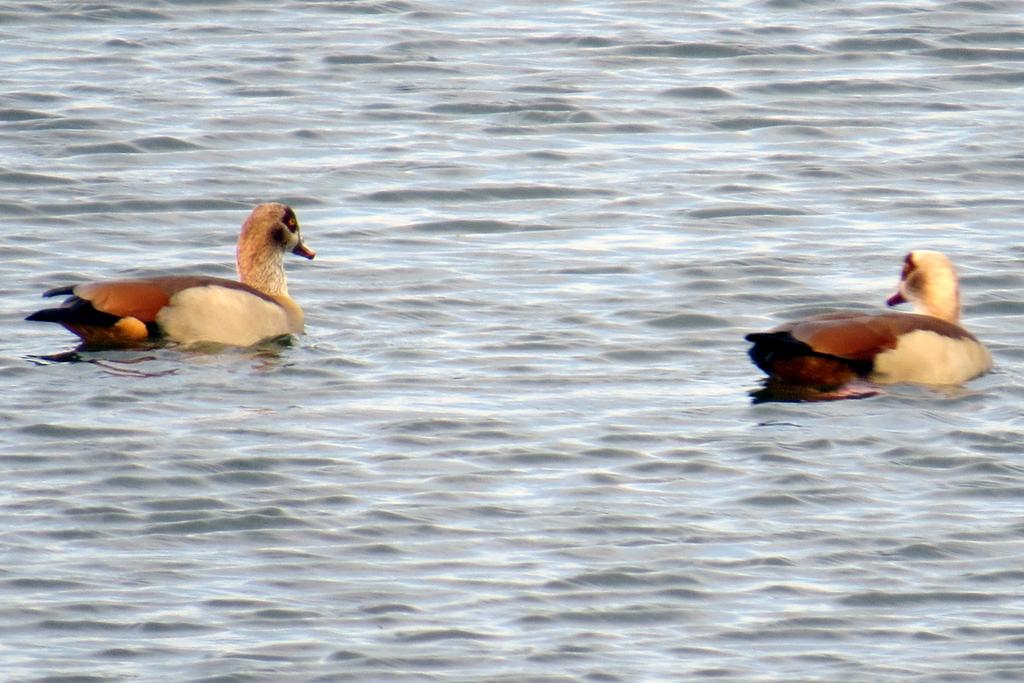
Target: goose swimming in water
x,y
195,308
927,347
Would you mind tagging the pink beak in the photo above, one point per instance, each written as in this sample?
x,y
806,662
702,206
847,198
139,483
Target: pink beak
x,y
302,250
895,299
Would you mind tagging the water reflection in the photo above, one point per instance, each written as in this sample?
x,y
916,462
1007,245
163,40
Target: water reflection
x,y
114,366
773,391
123,361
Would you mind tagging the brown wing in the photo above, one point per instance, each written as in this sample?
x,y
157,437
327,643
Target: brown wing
x,y
859,336
140,299
143,299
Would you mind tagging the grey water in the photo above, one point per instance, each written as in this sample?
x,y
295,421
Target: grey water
x,y
516,442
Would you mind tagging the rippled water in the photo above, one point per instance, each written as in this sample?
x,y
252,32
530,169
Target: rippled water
x,y
516,441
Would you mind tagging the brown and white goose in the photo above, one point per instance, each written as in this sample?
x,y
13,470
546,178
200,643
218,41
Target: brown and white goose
x,y
196,308
926,347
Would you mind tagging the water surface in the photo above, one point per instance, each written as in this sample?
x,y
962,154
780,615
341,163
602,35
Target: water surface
x,y
515,442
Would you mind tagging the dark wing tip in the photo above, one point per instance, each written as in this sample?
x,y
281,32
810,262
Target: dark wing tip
x,y
59,291
769,338
76,311
47,315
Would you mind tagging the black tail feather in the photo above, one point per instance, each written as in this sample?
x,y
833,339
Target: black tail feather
x,y
770,348
74,311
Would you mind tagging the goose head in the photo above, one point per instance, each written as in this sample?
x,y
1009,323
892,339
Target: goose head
x,y
929,283
269,232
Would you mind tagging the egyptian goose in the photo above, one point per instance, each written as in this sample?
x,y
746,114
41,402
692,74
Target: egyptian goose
x,y
195,308
926,347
